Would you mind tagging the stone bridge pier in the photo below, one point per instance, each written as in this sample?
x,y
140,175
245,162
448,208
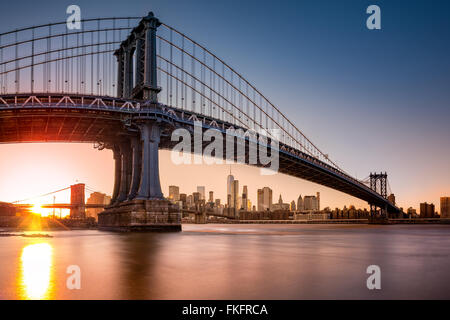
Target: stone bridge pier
x,y
138,203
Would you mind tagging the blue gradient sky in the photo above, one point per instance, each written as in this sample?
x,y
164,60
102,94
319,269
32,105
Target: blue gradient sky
x,y
373,100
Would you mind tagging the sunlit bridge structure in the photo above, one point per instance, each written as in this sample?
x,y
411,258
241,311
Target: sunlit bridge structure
x,y
126,83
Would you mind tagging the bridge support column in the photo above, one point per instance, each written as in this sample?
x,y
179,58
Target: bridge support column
x,y
376,218
150,187
136,167
117,173
148,210
125,174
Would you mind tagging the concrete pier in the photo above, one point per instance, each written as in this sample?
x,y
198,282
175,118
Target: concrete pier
x,y
141,215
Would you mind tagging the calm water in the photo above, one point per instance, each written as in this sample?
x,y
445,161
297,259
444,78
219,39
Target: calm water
x,y
231,262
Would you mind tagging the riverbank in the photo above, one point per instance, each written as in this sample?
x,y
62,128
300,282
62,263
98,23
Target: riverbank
x,y
21,224
337,221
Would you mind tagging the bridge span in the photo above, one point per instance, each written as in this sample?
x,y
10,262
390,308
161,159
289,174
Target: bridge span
x,y
127,89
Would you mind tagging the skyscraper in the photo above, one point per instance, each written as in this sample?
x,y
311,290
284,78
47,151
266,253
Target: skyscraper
x,y
230,180
211,196
318,201
293,207
174,193
264,197
300,205
235,194
426,210
196,196
311,203
245,199
445,207
201,190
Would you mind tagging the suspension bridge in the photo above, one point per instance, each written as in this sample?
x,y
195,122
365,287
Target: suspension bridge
x,y
126,83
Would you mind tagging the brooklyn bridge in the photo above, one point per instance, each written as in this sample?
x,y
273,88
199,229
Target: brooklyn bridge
x,y
125,84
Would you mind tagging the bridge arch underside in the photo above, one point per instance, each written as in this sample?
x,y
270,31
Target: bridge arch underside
x,y
58,125
124,131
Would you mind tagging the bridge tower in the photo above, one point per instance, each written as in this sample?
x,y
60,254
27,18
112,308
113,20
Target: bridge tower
x,y
378,183
138,202
139,82
77,201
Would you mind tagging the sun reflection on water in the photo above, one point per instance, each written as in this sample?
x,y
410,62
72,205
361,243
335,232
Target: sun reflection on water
x,y
36,265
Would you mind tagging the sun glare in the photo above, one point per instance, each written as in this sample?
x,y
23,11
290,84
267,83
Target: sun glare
x,y
37,209
36,266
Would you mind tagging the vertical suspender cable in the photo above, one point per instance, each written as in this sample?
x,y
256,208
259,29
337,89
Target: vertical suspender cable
x,y
17,64
32,61
83,62
98,56
171,70
113,80
2,88
92,63
183,87
192,78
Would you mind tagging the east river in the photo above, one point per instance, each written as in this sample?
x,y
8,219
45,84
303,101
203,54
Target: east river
x,y
231,262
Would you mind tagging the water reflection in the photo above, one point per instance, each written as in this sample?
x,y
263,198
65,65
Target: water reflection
x,y
231,262
36,266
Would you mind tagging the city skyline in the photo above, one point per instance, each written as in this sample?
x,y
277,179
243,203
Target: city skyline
x,y
417,110
73,174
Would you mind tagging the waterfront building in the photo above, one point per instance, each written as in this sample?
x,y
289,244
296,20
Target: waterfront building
x,y
190,201
411,212
311,203
230,180
280,205
211,196
245,199
264,197
183,200
174,193
391,198
445,207
7,209
235,195
293,207
426,210
201,191
97,198
300,204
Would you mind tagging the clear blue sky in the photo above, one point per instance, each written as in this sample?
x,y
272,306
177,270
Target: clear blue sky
x,y
373,100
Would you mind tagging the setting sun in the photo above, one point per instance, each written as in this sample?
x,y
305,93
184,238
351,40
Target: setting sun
x,y
37,209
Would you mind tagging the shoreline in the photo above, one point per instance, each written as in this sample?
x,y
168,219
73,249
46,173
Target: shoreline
x,y
431,221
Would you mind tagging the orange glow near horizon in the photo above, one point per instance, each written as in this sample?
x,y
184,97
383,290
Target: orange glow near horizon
x,y
31,169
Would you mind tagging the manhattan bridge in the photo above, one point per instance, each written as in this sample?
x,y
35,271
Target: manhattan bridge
x,y
125,84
